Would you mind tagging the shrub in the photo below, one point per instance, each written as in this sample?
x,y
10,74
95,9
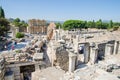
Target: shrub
x,y
19,35
115,28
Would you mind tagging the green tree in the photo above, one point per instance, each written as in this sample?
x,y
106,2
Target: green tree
x,y
90,24
111,24
93,24
58,25
2,15
67,25
85,25
116,24
23,24
4,26
16,22
105,25
73,24
19,35
99,24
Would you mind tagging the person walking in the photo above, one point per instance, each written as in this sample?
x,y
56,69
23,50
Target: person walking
x,y
12,47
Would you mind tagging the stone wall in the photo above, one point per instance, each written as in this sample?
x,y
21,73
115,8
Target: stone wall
x,y
62,59
2,69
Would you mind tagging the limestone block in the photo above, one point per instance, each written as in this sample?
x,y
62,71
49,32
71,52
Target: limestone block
x,y
109,49
94,55
72,61
116,47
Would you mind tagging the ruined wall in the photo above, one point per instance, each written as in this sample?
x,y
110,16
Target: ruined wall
x,y
101,48
37,26
62,59
22,29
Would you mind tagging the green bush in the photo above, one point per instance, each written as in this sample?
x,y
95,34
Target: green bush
x,y
19,35
115,28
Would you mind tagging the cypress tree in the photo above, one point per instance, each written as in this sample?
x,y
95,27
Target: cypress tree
x,y
2,15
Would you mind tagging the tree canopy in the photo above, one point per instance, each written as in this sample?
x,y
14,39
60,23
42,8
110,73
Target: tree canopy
x,y
58,25
79,24
18,23
4,24
2,15
70,24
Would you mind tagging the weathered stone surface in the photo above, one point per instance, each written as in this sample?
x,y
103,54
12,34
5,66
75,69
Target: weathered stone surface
x,y
51,73
62,59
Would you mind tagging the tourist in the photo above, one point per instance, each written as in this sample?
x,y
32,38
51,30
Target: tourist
x,y
12,47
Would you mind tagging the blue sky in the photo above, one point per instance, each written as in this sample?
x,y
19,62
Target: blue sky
x,y
62,9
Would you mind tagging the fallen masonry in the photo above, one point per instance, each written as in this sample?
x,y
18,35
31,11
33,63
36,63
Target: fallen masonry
x,y
64,55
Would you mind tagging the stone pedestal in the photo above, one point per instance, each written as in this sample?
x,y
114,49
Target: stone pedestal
x,y
116,46
94,55
72,61
92,45
109,49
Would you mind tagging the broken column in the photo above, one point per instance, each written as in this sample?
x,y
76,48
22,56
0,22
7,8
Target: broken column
x,y
86,52
94,55
92,45
109,49
116,46
72,61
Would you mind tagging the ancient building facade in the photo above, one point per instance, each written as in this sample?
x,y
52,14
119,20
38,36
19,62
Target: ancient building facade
x,y
37,26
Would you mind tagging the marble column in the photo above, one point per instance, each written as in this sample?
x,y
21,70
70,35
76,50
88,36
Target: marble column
x,y
86,53
42,30
119,48
116,46
72,61
94,55
109,49
28,29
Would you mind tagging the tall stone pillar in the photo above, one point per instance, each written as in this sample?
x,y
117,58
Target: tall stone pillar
x,y
42,29
94,55
55,36
86,53
116,46
119,48
109,49
92,45
72,61
76,49
28,29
